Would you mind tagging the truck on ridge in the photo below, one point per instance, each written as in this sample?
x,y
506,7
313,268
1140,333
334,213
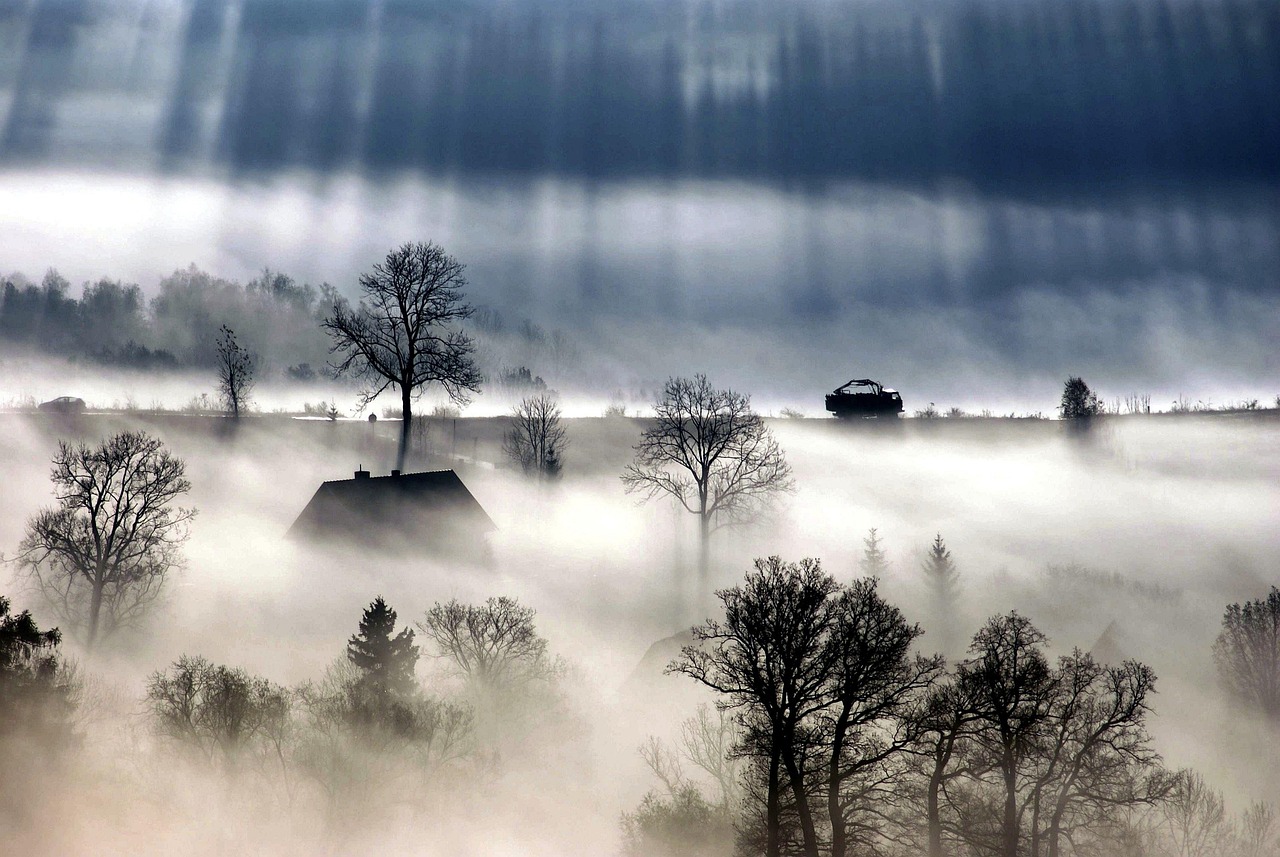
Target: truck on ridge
x,y
862,398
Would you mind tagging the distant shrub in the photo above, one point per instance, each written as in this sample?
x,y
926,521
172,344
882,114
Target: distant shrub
x,y
301,372
1075,574
681,825
791,414
956,414
615,410
929,413
446,412
521,380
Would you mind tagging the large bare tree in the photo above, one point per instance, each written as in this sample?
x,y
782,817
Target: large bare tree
x,y
235,371
536,440
102,554
403,332
712,453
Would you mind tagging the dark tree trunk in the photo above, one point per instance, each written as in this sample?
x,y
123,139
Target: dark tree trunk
x,y
839,837
1009,843
404,427
95,611
773,810
807,828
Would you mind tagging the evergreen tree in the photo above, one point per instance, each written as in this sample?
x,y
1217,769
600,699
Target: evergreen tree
x,y
1078,401
35,697
874,562
943,579
385,659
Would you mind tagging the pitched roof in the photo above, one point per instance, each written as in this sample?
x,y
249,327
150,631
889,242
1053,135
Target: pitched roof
x,y
434,506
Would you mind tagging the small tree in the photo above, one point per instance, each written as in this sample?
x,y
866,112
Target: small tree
x,y
102,554
34,694
494,645
536,439
943,580
235,371
710,452
386,660
1078,401
1247,653
874,562
402,334
217,709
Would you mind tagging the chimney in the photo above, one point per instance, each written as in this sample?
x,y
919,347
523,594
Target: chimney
x,y
395,473
362,473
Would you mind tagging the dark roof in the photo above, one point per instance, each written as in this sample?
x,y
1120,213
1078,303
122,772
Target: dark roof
x,y
424,508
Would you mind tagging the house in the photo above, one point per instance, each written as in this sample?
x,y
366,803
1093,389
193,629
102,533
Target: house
x,y
431,510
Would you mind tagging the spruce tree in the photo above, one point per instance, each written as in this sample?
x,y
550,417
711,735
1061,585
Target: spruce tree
x,y
940,570
874,562
385,659
943,579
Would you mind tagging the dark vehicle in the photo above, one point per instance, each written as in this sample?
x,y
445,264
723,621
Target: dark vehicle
x,y
63,405
863,397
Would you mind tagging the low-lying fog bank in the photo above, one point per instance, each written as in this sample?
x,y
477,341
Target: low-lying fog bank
x,y
1148,527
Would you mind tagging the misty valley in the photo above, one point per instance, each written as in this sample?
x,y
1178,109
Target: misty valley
x,y
923,588
640,428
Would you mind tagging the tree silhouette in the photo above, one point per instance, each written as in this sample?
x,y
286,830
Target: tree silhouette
x,y
874,562
402,333
536,439
710,452
1247,653
235,371
102,554
1011,687
34,696
494,644
217,709
943,580
1078,401
386,659
770,659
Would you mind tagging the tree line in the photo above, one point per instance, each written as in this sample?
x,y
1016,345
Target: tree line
x,y
367,736
852,742
112,323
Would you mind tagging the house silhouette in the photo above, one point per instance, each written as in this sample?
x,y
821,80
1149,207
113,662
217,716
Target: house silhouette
x,y
432,510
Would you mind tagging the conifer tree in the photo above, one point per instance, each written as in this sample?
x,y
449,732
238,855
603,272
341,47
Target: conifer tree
x,y
386,659
943,579
874,562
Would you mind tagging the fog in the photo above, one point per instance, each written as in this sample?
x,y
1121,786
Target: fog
x,y
1152,523
968,200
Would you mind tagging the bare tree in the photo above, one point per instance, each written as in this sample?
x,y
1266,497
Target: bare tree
x,y
102,554
536,440
1247,653
235,371
712,453
1195,817
708,740
217,709
494,644
1011,688
770,659
402,333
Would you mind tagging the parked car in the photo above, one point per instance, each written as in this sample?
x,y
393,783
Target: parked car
x,y
63,405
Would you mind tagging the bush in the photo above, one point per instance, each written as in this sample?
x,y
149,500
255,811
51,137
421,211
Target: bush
x,y
681,825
